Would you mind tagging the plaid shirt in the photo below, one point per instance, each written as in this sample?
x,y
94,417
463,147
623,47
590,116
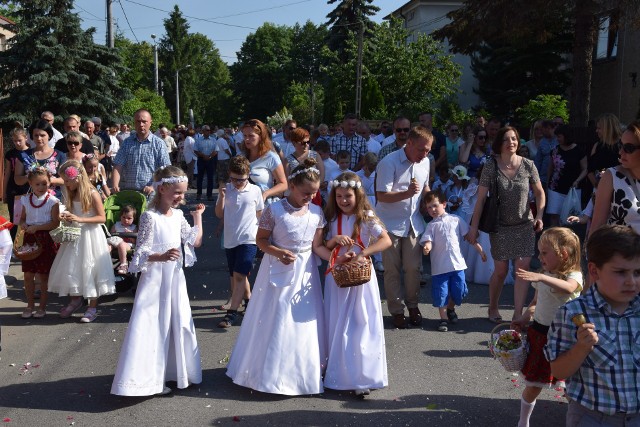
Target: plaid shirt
x,y
139,160
206,146
609,379
387,149
356,145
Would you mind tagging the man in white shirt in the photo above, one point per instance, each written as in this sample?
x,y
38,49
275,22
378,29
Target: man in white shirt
x,y
402,179
286,146
363,129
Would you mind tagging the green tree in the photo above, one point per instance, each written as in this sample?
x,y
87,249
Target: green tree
x,y
262,72
53,64
137,60
347,18
149,100
373,106
543,107
298,98
520,22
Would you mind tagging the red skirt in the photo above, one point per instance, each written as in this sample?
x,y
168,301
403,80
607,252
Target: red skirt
x,y
536,368
42,264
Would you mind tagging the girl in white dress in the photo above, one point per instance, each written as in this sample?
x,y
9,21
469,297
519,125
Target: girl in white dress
x,y
357,357
82,269
160,343
281,344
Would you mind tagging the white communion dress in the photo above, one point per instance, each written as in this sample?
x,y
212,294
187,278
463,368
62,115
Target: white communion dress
x,y
281,345
355,332
83,267
160,343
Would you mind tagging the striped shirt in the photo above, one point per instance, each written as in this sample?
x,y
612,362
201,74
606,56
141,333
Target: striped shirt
x,y
609,379
355,144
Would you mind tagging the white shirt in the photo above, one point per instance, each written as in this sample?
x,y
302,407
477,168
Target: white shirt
x,y
223,145
379,137
388,140
445,233
187,149
114,147
393,174
240,220
373,146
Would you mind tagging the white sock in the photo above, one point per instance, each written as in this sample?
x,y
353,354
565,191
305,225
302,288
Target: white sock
x,y
526,409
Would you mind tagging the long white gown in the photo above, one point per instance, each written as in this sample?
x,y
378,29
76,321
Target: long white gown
x,y
83,268
355,332
160,343
6,247
281,345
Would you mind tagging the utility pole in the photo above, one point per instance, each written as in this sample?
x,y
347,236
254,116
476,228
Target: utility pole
x,y
359,70
110,42
155,65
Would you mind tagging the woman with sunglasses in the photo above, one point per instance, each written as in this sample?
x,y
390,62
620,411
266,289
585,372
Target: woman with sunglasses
x,y
300,139
618,193
453,144
74,145
474,152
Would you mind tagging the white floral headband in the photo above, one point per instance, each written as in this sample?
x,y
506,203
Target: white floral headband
x,y
169,180
344,184
300,171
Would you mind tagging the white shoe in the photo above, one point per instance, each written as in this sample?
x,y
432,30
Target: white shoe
x,y
362,392
379,267
165,390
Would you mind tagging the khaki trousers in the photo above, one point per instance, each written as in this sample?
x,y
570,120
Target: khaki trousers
x,y
405,254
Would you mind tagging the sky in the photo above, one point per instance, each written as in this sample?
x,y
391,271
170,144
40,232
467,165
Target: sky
x,y
227,23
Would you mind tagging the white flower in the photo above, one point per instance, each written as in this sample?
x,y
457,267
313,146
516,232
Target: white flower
x,y
344,184
352,184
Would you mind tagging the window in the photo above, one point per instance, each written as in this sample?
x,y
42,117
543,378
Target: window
x,y
607,46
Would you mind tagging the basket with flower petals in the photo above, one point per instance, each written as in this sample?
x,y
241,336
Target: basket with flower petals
x,y
509,347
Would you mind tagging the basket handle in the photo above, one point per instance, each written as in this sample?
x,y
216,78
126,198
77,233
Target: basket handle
x,y
334,256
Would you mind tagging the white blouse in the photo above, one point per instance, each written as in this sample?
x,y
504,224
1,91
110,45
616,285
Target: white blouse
x,y
41,214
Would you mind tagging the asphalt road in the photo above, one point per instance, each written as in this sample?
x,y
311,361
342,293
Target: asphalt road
x,y
58,372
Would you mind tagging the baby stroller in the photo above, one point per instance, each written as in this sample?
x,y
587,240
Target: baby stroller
x,y
112,206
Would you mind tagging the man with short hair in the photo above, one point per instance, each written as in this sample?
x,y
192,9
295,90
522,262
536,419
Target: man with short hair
x,y
492,128
206,149
282,141
439,150
48,116
168,140
96,141
402,179
543,155
373,146
124,133
139,157
349,141
385,131
401,128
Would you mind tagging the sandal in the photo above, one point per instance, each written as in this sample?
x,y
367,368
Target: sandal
x,y
442,326
39,314
123,268
229,320
27,313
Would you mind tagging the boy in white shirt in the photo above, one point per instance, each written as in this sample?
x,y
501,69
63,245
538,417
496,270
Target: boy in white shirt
x,y
442,239
224,154
240,204
323,148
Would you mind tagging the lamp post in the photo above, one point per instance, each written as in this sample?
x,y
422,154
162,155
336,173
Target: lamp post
x,y
178,92
155,65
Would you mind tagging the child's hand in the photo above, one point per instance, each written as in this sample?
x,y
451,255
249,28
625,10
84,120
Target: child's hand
x,y
198,210
349,256
519,324
30,229
483,256
587,336
286,257
221,193
426,249
171,255
573,219
529,276
343,240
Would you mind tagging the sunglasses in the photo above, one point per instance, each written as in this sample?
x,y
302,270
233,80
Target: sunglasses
x,y
403,130
292,127
238,180
629,148
303,143
481,136
73,143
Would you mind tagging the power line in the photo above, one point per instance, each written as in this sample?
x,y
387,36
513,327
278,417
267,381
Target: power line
x,y
192,17
128,23
261,10
86,11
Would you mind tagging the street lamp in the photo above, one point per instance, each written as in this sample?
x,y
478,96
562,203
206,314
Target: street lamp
x,y
155,65
178,93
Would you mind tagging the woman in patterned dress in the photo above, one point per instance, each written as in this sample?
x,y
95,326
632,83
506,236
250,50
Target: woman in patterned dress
x,y
515,237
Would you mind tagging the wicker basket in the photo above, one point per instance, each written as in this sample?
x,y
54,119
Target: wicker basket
x,y
511,360
65,233
22,252
354,273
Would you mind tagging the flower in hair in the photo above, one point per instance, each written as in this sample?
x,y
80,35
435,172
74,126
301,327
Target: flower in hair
x,y
344,184
300,171
169,180
72,173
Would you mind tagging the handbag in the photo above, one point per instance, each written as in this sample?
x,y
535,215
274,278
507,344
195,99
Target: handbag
x,y
570,206
65,233
491,209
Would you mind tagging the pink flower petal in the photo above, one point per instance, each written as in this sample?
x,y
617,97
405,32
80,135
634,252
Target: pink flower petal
x,y
69,417
6,420
558,389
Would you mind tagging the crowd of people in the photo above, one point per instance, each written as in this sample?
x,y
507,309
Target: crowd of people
x,y
348,196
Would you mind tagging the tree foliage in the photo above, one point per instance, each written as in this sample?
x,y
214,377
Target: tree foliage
x,y
347,18
544,107
53,64
149,100
137,61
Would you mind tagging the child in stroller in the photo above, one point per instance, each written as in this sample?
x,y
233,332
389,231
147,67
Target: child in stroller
x,y
123,243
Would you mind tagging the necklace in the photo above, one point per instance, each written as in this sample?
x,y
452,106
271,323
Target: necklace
x,y
510,165
41,204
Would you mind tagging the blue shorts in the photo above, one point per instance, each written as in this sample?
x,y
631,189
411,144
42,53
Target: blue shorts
x,y
447,285
240,259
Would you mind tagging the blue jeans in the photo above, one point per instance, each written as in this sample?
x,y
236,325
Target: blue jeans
x,y
208,167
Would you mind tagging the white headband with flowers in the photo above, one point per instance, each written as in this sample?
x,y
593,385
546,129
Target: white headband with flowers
x,y
169,180
344,184
300,171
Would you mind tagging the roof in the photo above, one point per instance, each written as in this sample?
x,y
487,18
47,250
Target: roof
x,y
412,4
6,21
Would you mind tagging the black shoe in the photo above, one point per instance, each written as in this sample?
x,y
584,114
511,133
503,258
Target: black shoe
x,y
229,319
415,317
442,326
452,316
399,321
